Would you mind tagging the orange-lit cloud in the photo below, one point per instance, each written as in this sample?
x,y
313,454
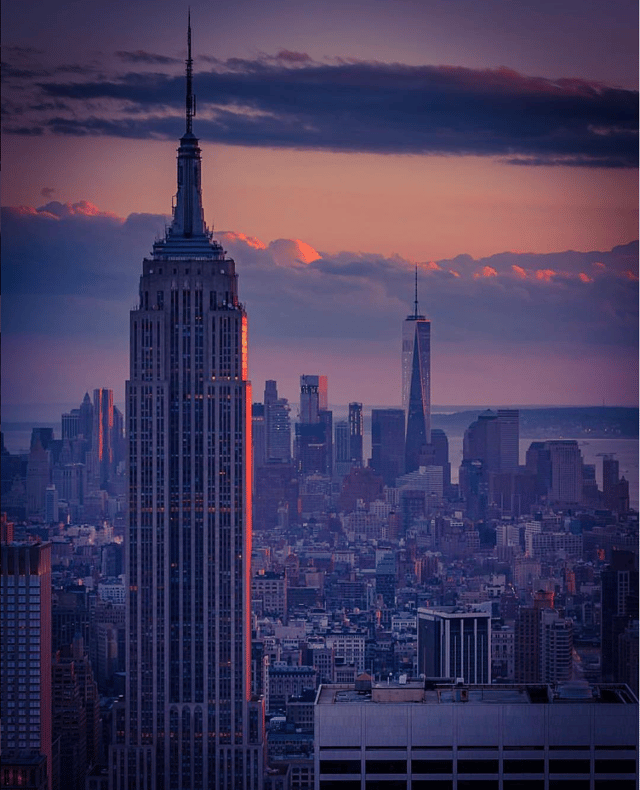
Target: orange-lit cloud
x,y
519,272
545,274
599,265
432,266
486,271
454,272
631,276
251,241
585,278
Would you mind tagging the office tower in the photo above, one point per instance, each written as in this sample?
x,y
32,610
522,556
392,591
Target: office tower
x,y
509,438
25,666
619,607
356,432
313,397
455,643
615,490
189,720
388,443
566,472
258,436
386,579
51,505
493,439
325,417
342,446
412,734
277,424
102,442
86,419
543,642
416,384
38,478
440,445
71,424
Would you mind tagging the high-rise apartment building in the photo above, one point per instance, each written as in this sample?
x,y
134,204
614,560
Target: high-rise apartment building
x,y
189,720
416,385
25,665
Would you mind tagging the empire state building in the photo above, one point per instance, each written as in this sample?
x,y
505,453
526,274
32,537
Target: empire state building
x,y
189,720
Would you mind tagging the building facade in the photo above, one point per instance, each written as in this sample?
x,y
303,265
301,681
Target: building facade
x,y
25,666
509,737
190,720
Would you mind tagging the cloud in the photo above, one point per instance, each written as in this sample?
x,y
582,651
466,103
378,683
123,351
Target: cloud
x,y
486,271
291,101
519,271
47,192
140,56
545,274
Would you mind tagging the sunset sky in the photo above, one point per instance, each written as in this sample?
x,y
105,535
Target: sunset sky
x,y
494,144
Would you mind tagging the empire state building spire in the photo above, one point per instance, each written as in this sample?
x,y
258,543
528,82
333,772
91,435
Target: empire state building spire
x,y
188,215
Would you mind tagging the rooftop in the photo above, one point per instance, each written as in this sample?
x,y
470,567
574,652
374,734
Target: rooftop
x,y
447,694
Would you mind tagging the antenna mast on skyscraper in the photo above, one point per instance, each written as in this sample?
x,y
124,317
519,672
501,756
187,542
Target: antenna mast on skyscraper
x,y
191,99
415,301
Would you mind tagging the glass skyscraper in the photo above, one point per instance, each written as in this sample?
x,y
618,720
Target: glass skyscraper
x,y
416,385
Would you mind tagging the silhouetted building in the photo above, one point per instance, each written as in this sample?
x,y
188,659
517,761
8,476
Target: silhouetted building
x,y
440,445
388,443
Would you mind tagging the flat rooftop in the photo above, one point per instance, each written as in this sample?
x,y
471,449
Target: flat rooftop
x,y
434,694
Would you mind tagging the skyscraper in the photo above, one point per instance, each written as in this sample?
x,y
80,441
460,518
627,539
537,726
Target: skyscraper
x,y
277,424
416,384
387,443
25,668
189,720
356,432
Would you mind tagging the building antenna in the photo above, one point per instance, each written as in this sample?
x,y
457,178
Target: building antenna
x,y
191,99
415,301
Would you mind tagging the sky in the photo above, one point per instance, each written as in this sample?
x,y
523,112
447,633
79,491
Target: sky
x,y
494,145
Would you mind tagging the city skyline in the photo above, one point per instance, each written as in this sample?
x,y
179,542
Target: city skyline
x,y
539,326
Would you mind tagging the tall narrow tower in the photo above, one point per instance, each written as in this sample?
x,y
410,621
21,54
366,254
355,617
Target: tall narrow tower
x,y
416,384
189,720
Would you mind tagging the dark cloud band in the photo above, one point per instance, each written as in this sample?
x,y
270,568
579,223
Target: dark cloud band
x,y
291,101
